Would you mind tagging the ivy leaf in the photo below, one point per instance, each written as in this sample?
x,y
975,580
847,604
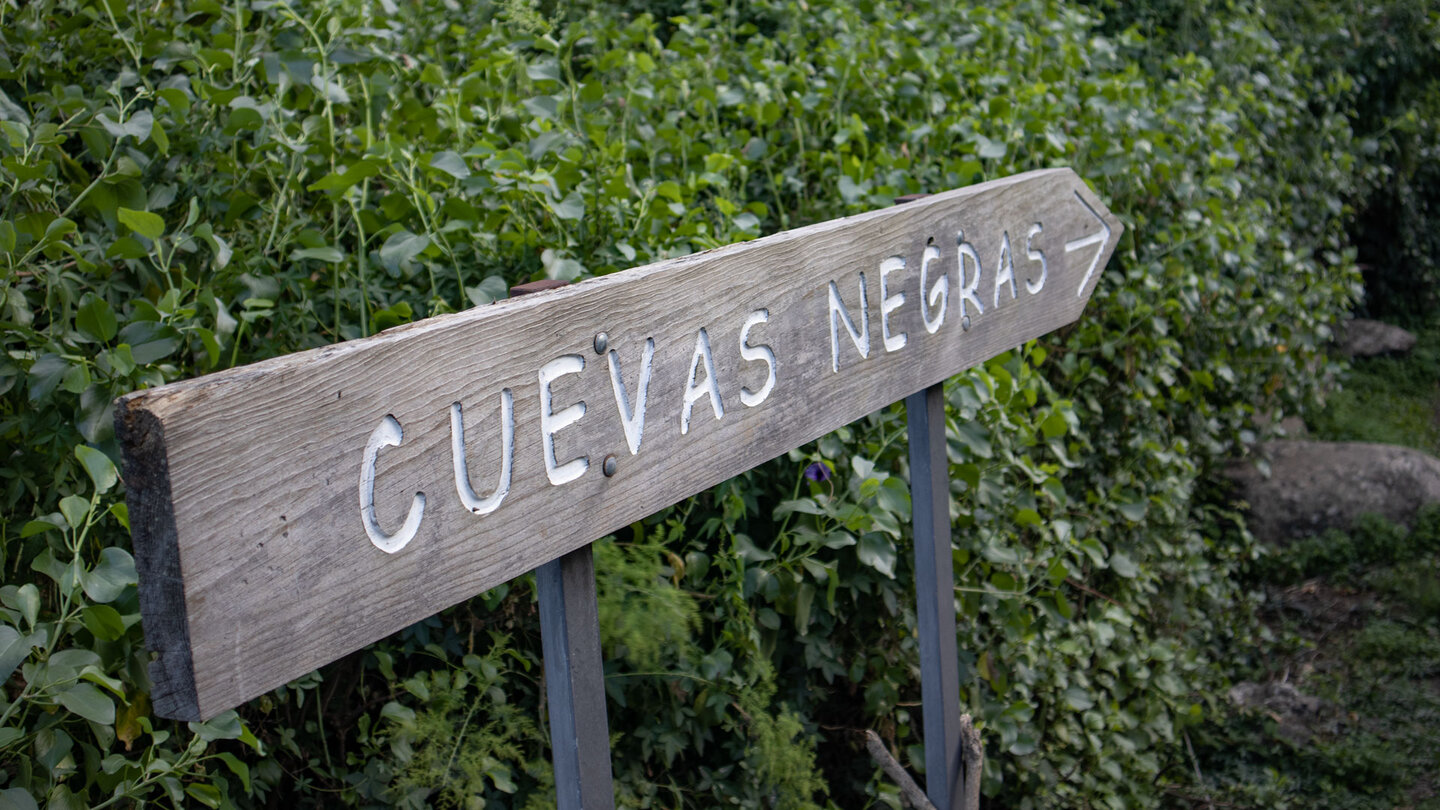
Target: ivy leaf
x,y
493,288
14,648
451,164
206,794
990,149
104,621
74,508
109,578
27,599
1133,512
750,552
226,726
149,341
1027,517
90,703
402,247
151,226
18,799
333,91
1123,565
804,598
45,374
340,181
1054,425
98,466
571,208
324,254
1077,699
877,551
543,107
137,126
543,70
236,767
95,318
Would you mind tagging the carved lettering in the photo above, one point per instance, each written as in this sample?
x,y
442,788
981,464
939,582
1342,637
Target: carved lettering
x,y
890,303
838,313
710,386
552,422
754,354
387,434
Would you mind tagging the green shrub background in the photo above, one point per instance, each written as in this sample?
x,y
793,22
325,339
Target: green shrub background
x,y
190,185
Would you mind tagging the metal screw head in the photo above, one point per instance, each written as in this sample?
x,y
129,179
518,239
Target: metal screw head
x,y
965,324
609,466
602,342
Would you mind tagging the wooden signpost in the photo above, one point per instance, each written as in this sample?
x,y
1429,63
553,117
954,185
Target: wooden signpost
x,y
289,512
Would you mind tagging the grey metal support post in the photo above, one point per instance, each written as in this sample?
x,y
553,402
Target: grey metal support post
x,y
935,596
575,682
574,668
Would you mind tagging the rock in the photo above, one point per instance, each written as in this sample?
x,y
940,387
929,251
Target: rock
x,y
1314,486
1365,338
1294,427
1296,714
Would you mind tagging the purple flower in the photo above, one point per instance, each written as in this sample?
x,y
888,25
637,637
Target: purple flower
x,y
818,471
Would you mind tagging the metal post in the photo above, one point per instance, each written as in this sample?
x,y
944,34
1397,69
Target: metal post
x,y
574,668
935,596
575,682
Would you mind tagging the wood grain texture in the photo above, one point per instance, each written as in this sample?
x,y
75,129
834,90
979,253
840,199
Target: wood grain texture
x,y
252,493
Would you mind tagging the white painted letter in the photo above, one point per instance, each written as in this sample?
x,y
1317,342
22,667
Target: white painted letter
x,y
632,418
1034,255
890,303
860,336
761,353
967,289
692,392
941,290
388,434
488,504
1006,271
551,422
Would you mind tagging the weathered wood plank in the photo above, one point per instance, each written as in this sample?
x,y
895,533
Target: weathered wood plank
x,y
752,350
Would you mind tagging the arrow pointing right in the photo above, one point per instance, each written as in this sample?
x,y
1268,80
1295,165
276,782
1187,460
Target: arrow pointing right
x,y
1101,238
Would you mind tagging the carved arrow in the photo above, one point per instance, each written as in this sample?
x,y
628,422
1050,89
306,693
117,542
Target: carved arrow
x,y
1102,238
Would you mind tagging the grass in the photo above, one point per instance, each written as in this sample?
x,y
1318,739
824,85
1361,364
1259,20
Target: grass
x,y
1392,400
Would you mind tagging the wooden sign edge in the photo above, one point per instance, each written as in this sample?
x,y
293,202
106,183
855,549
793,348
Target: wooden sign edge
x,y
139,426
157,561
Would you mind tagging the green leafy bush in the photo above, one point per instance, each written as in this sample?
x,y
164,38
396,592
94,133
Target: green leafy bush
x,y
186,187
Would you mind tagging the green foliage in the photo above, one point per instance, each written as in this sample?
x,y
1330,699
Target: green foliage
x,y
191,186
781,754
1344,555
644,617
1392,400
466,741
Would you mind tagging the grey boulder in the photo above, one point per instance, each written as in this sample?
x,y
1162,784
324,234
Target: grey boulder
x,y
1365,338
1314,486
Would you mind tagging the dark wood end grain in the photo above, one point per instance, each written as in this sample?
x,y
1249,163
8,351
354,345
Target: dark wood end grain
x,y
157,560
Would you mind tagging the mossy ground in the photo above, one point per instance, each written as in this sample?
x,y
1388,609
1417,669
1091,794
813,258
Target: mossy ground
x,y
1352,618
1365,639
